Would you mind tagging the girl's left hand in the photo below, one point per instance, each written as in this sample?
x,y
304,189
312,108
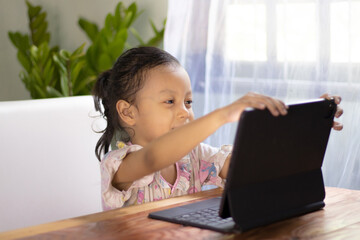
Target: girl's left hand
x,y
339,111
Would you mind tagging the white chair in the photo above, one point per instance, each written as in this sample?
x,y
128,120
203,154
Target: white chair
x,y
48,167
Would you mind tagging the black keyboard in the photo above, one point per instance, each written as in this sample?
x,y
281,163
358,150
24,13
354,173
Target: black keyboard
x,y
202,214
208,216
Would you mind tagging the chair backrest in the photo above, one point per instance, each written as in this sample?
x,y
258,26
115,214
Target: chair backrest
x,y
48,167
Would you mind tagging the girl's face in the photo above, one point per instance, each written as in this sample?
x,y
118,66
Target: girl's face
x,y
164,103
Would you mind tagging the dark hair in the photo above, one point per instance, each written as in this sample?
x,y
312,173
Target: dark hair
x,y
122,82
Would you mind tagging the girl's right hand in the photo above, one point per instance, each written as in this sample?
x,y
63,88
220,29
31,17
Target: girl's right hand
x,y
233,111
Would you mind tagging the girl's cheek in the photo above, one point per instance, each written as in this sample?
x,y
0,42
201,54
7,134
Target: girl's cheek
x,y
192,117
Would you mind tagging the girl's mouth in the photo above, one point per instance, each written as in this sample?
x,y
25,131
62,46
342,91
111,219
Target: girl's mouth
x,y
186,122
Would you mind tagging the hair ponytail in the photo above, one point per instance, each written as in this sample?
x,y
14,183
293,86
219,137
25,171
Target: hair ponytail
x,y
100,90
100,94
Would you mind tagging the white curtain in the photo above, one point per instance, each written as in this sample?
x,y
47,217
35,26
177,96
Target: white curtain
x,y
292,50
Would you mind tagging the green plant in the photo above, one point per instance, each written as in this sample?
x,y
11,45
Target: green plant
x,y
110,41
48,71
54,72
75,77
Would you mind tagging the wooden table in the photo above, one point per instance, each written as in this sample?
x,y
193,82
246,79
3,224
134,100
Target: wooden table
x,y
340,219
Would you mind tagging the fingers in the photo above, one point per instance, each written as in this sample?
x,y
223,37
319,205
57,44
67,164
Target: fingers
x,y
339,112
337,99
275,106
327,96
337,126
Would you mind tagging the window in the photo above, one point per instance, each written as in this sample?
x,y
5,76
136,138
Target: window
x,y
296,32
320,36
248,42
345,31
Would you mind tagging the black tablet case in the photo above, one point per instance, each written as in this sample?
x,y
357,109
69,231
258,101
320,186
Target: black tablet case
x,y
277,158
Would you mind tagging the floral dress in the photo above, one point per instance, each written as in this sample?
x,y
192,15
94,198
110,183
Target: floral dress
x,y
198,169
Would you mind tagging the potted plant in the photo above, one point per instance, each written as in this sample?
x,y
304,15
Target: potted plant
x,y
49,71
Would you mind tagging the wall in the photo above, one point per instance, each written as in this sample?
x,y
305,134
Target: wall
x,y
62,18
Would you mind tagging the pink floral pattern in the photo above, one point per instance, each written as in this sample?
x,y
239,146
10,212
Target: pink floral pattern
x,y
199,168
140,195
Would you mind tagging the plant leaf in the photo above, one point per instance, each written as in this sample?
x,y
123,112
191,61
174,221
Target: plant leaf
x,y
117,46
25,79
135,14
117,15
155,41
79,88
52,92
105,36
32,11
154,27
127,20
92,59
20,41
91,29
75,73
112,39
65,55
60,63
137,35
35,73
103,43
159,35
48,72
24,60
64,83
40,19
43,54
38,25
108,22
78,52
105,62
39,36
40,93
34,53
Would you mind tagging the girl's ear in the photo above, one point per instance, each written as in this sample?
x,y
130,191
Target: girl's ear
x,y
125,112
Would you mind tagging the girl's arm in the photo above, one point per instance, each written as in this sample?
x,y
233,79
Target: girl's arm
x,y
174,145
225,168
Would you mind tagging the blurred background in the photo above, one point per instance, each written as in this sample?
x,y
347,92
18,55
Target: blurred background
x,y
62,17
289,49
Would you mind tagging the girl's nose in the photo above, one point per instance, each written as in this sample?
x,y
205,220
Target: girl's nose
x,y
184,112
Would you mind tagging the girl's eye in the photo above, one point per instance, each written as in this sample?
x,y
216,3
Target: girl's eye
x,y
188,103
169,101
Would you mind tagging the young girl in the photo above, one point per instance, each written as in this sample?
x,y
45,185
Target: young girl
x,y
147,97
